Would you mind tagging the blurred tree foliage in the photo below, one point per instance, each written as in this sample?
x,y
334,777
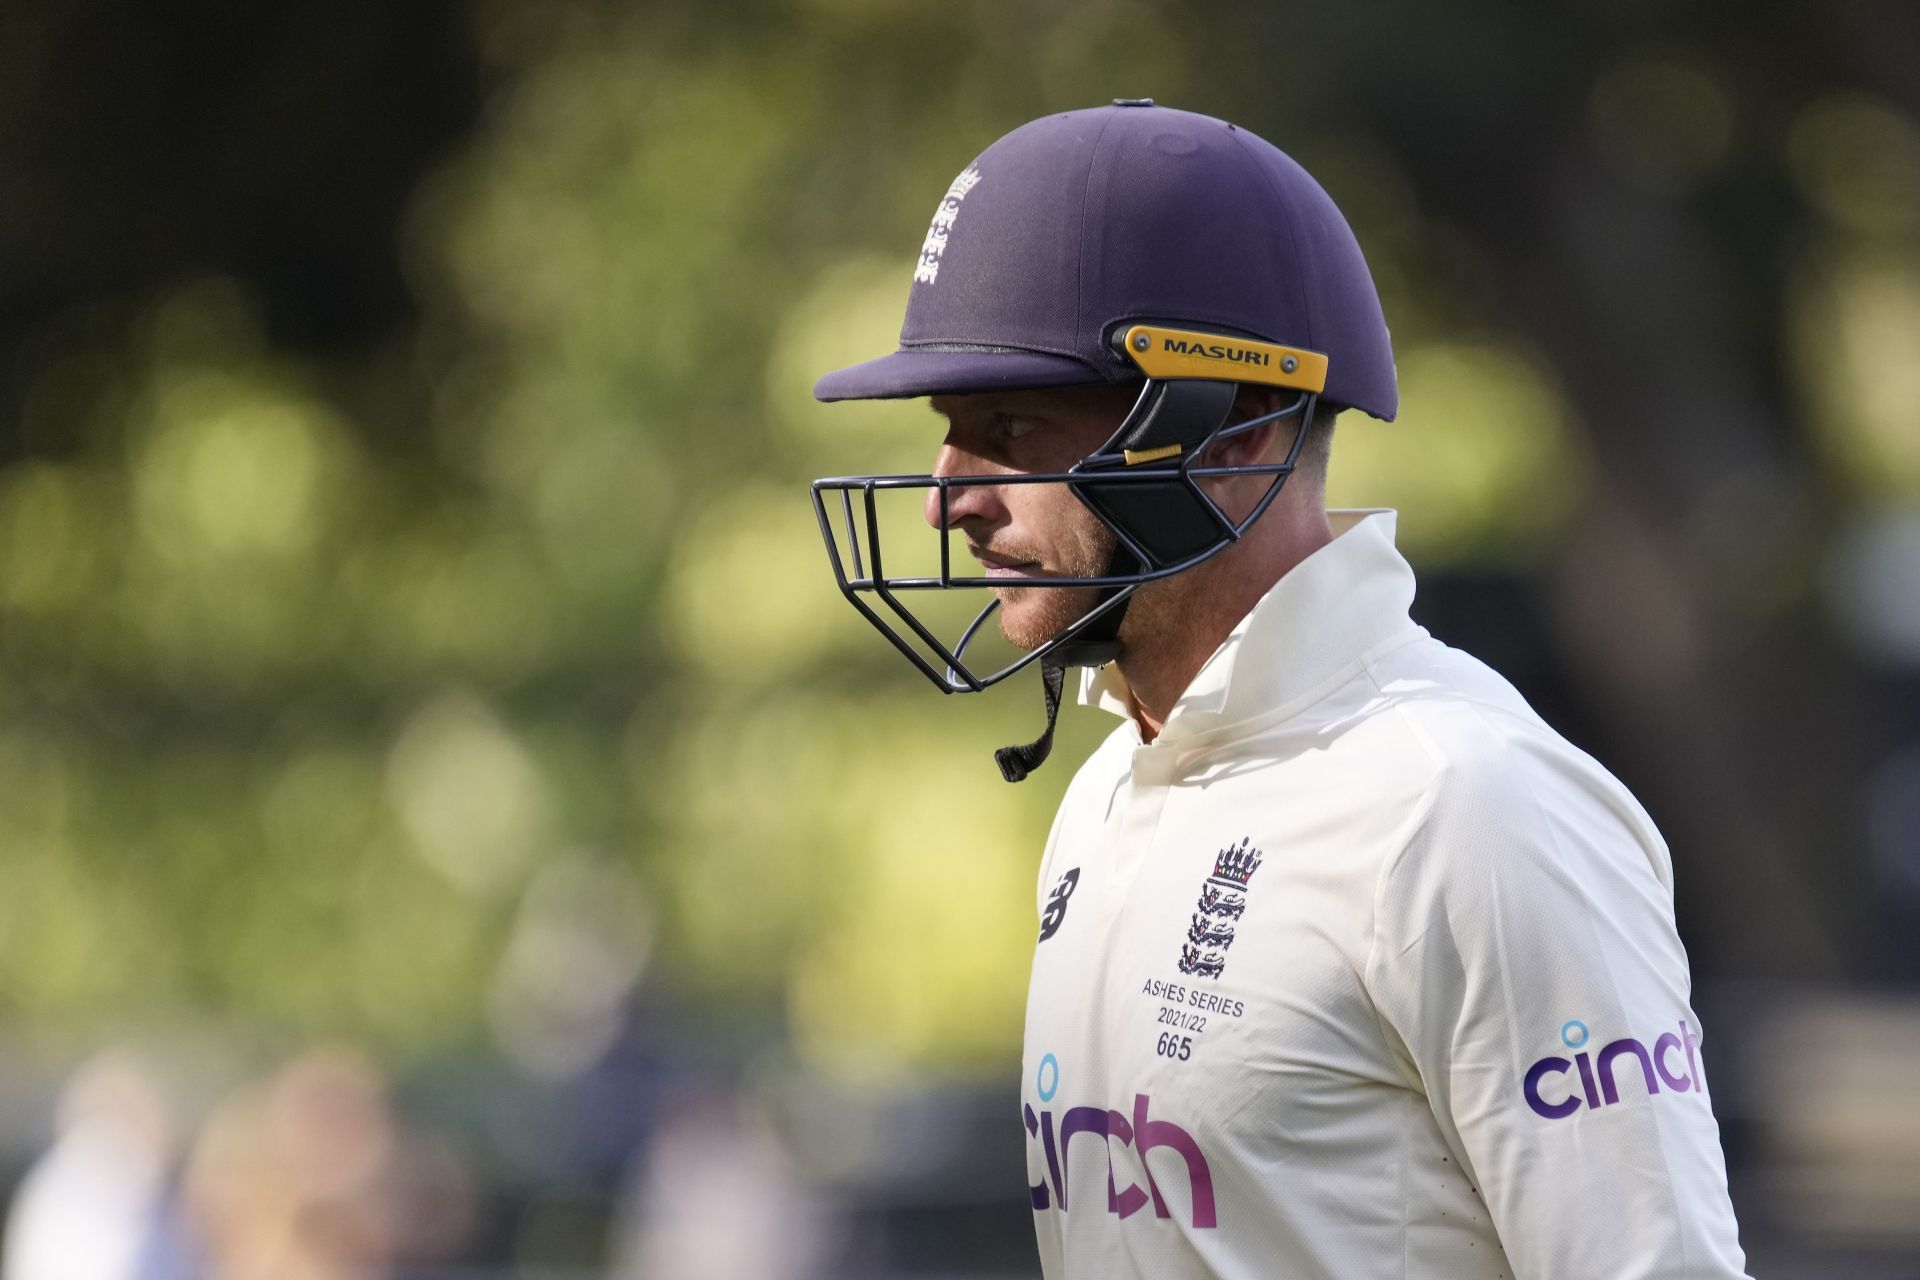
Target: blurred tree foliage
x,y
407,410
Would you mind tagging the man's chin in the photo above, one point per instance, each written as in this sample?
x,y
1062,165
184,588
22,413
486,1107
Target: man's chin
x,y
1031,616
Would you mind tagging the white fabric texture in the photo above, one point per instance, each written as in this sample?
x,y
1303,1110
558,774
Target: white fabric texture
x,y
1360,970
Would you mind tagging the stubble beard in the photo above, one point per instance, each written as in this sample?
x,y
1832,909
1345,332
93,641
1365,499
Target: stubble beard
x,y
1031,616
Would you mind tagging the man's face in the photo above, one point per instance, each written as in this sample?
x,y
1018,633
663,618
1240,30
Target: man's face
x,y
1028,530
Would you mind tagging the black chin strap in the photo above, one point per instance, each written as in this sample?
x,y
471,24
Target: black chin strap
x,y
1017,762
1098,645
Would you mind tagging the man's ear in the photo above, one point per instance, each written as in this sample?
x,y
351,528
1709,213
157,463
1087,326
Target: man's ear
x,y
1252,446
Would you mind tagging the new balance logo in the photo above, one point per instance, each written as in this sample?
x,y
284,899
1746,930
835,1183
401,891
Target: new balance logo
x,y
1056,911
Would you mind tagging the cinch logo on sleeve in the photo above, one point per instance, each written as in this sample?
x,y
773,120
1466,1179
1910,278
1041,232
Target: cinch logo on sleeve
x,y
1671,1061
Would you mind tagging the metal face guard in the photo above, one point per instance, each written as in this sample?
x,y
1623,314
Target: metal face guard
x,y
1108,481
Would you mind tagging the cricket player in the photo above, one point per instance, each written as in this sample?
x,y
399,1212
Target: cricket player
x,y
1347,964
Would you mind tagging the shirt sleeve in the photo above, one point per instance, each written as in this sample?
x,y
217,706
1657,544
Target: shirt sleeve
x,y
1530,980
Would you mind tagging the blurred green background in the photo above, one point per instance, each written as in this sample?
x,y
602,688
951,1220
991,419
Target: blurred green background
x,y
414,635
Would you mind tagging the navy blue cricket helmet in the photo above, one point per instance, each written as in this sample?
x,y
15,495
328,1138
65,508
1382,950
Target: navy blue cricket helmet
x,y
1127,244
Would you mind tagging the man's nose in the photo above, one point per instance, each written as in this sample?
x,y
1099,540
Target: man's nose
x,y
964,502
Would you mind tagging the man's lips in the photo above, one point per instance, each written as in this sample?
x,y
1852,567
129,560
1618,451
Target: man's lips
x,y
999,566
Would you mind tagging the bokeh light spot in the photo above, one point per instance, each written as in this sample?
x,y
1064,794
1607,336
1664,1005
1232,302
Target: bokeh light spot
x,y
236,467
468,793
750,595
1857,159
852,313
1664,122
1854,328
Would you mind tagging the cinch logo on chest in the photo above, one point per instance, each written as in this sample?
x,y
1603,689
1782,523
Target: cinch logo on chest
x,y
1138,1131
1223,896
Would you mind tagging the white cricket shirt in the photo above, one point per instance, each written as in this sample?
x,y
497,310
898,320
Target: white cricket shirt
x,y
1359,970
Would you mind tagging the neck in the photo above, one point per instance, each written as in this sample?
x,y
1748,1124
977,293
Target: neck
x,y
1174,626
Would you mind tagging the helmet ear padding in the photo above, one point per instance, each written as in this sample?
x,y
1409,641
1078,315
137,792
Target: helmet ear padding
x,y
1183,411
1168,520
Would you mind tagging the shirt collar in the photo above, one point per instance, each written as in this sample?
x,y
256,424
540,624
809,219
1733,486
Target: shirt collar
x,y
1319,621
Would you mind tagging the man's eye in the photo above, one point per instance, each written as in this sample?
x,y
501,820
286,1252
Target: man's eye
x,y
1014,428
